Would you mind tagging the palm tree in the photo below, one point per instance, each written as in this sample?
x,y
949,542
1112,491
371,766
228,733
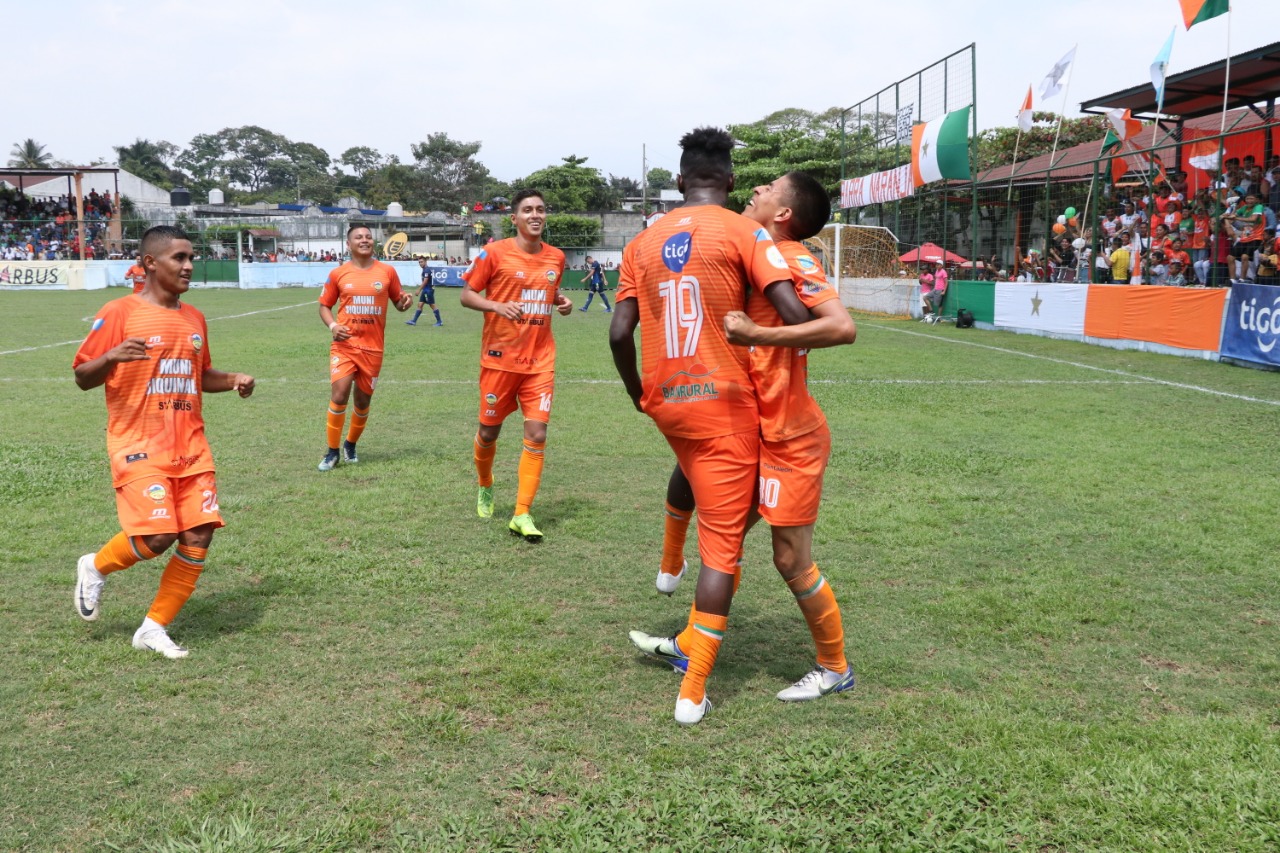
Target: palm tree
x,y
30,154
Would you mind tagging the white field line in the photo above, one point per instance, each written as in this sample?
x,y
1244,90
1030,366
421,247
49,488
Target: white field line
x,y
616,382
208,319
1134,376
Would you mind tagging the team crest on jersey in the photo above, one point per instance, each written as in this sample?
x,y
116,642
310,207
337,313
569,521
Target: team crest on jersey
x,y
333,360
551,276
491,399
676,251
806,263
156,492
197,343
377,287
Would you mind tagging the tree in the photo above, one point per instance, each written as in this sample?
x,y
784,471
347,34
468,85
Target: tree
x,y
660,179
30,154
150,161
624,187
262,164
451,175
571,186
786,140
996,144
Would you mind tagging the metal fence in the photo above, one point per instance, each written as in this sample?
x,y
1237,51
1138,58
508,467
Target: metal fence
x,y
1053,216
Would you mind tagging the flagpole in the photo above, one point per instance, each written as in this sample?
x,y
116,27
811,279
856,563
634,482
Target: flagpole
x,y
1226,85
1048,173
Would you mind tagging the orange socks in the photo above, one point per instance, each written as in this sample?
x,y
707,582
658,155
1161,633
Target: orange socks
x,y
358,419
120,553
483,455
529,475
818,604
675,531
333,425
708,632
177,583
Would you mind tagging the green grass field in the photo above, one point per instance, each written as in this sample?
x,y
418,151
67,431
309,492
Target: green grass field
x,y
1057,565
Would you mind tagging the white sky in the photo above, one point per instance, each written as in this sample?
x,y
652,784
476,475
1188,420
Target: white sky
x,y
535,82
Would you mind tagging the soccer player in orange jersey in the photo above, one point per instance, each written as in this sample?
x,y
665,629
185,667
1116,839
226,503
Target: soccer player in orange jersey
x,y
679,280
516,284
362,288
795,441
151,351
137,275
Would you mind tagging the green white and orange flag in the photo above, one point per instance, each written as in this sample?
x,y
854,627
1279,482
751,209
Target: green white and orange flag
x,y
1198,11
940,149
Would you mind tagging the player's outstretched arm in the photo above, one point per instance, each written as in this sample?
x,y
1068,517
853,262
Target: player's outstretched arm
x,y
622,342
831,327
403,303
782,295
93,373
215,382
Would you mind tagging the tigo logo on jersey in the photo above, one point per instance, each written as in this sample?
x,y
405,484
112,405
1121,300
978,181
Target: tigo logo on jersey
x,y
156,492
197,343
675,252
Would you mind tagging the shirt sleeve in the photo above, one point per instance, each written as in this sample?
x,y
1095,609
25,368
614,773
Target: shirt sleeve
x,y
626,282
765,264
329,295
105,332
394,289
477,275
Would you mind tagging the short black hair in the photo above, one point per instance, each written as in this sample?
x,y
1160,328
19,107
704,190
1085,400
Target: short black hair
x,y
356,225
706,156
528,192
159,236
809,203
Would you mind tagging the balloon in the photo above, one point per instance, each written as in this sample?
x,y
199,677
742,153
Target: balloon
x,y
1073,222
1070,212
1059,228
1062,220
1079,243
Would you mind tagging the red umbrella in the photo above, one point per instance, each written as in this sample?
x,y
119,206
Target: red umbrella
x,y
930,253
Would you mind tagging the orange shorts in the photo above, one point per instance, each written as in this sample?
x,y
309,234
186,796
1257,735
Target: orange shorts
x,y
168,505
791,478
366,366
502,390
722,472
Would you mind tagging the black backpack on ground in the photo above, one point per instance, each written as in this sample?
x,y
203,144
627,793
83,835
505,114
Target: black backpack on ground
x,y
964,319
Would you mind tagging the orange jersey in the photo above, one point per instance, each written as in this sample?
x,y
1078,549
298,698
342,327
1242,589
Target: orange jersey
x,y
780,374
685,273
138,276
1200,235
362,296
154,422
506,273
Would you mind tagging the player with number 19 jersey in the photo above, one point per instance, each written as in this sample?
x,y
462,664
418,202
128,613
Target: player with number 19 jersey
x,y
685,273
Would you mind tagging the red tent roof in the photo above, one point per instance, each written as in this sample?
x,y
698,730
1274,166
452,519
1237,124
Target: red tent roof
x,y
931,253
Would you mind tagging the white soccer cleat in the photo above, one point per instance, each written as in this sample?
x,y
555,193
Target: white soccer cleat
x,y
690,713
89,583
152,637
667,583
818,683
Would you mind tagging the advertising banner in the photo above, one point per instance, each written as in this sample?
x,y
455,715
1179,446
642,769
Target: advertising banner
x,y
42,275
1252,326
873,189
1053,308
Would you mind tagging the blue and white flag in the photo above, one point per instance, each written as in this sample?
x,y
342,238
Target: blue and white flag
x,y
1158,68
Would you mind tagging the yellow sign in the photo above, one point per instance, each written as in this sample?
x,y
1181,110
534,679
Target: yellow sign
x,y
396,244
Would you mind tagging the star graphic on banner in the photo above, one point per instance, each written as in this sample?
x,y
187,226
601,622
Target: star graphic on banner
x,y
924,149
1056,74
1035,304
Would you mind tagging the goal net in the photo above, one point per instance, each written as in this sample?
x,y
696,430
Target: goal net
x,y
856,251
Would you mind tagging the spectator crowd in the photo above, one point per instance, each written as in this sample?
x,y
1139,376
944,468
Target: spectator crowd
x,y
44,229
